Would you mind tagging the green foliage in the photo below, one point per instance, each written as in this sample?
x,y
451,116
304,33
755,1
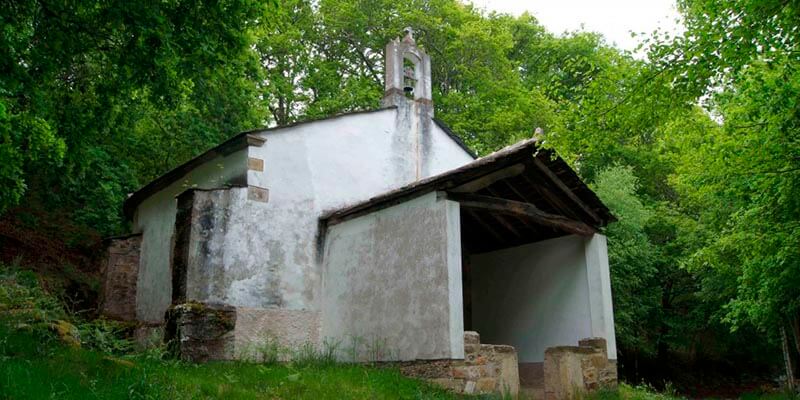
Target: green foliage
x,y
632,258
35,365
106,336
638,392
96,97
748,196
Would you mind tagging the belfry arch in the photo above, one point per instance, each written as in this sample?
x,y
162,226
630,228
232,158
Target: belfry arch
x,y
408,72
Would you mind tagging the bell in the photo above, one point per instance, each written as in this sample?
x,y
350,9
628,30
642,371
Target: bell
x,y
408,89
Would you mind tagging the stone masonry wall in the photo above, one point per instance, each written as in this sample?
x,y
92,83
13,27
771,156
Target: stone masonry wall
x,y
570,371
120,274
485,369
200,332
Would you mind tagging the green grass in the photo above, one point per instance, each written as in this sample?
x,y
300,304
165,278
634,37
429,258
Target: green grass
x,y
33,367
35,364
644,392
628,392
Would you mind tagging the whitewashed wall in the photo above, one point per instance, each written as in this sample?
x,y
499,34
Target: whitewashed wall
x,y
544,294
155,219
270,248
393,277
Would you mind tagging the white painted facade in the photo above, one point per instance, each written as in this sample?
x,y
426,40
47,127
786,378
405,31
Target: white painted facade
x,y
308,169
155,219
394,276
544,294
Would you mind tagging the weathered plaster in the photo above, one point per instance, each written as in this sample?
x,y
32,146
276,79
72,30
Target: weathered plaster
x,y
387,276
288,329
599,280
155,219
266,255
537,296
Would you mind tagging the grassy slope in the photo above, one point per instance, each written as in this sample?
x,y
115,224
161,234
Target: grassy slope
x,y
35,364
35,367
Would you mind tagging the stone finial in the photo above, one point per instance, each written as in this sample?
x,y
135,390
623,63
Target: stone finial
x,y
538,133
409,35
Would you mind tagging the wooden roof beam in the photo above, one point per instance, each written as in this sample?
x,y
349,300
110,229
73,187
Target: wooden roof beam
x,y
488,179
524,210
561,186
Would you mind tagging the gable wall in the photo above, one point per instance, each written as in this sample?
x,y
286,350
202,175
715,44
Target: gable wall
x,y
270,251
322,166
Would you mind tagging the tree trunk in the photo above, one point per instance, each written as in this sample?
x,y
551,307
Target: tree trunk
x,y
787,359
796,333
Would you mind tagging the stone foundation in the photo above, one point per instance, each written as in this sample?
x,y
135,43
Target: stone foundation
x,y
485,369
570,371
120,272
201,332
284,329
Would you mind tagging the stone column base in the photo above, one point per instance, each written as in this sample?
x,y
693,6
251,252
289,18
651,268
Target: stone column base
x,y
486,369
200,332
570,371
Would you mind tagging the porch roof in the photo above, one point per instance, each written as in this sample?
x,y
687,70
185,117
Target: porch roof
x,y
517,195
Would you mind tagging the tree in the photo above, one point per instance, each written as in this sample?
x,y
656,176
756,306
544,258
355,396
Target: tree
x,y
93,90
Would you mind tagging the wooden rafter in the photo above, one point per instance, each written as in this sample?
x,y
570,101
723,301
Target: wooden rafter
x,y
520,209
551,198
486,180
561,186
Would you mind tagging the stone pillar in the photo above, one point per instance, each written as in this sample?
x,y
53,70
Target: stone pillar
x,y
571,371
120,273
201,332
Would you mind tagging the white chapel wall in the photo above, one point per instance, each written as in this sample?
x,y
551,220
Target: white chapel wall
x,y
155,218
394,276
544,294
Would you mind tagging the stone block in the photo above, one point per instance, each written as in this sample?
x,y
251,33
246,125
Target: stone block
x,y
485,369
572,371
563,375
472,349
595,342
200,332
456,385
486,385
120,275
256,193
255,164
469,387
471,372
148,336
472,337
